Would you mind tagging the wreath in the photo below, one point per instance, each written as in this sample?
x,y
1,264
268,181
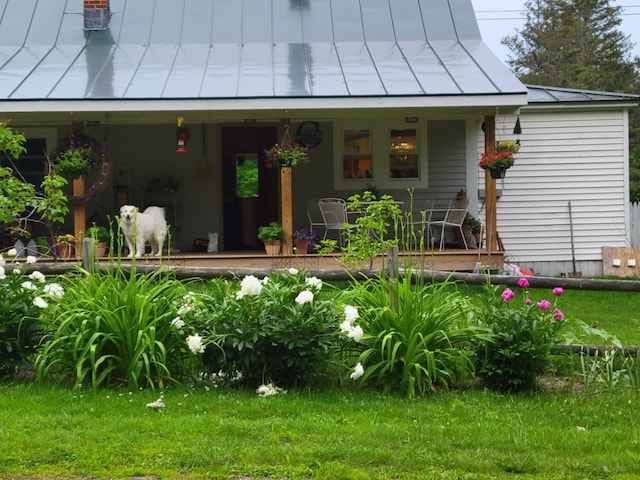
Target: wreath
x,y
95,155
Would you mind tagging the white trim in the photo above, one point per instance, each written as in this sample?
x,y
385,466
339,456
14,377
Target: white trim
x,y
260,104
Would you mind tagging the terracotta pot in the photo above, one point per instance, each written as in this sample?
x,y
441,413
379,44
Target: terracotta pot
x,y
101,249
65,250
301,247
272,248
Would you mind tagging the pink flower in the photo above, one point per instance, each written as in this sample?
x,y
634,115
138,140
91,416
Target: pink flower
x,y
544,304
558,315
507,294
557,291
523,283
527,301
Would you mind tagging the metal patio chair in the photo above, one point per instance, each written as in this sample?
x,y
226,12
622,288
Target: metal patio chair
x,y
334,214
453,219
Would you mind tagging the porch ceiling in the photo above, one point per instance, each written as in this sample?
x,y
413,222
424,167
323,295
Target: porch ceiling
x,y
292,53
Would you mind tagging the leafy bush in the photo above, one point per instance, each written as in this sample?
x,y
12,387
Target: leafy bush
x,y
522,337
22,300
415,333
118,328
278,329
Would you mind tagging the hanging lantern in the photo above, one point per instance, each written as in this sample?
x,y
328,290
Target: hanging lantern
x,y
182,136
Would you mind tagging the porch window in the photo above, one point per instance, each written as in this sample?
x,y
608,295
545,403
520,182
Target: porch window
x,y
403,153
387,153
357,162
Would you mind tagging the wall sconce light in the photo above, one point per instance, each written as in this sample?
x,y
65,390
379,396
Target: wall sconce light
x,y
182,136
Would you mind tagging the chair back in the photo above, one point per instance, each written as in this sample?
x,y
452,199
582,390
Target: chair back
x,y
421,210
334,212
314,214
457,211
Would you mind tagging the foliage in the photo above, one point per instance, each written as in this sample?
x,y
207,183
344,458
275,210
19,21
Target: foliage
x,y
77,154
634,174
472,221
117,328
278,329
247,179
99,233
523,336
271,233
23,297
286,155
74,160
497,160
368,237
573,45
415,333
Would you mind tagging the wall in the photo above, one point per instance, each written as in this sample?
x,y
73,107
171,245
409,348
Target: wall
x,y
576,156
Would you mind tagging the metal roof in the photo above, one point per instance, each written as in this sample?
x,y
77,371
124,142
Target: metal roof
x,y
248,49
553,95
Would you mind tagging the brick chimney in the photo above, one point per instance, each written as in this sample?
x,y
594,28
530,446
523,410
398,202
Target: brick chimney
x,y
96,14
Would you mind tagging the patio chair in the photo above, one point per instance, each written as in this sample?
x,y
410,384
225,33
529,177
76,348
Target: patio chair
x,y
419,217
315,216
334,214
453,218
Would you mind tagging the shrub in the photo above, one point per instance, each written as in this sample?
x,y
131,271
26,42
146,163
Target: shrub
x,y
415,333
278,329
118,328
22,300
522,337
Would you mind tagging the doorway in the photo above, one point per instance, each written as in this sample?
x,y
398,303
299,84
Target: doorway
x,y
250,191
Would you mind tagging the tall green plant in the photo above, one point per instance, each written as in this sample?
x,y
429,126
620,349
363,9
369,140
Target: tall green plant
x,y
117,328
415,333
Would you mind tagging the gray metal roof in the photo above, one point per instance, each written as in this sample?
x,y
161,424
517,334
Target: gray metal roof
x,y
539,95
225,49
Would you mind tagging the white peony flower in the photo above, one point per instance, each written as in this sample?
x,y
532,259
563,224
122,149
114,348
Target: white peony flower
x,y
53,290
314,282
40,302
31,259
293,271
12,252
351,314
178,323
28,285
158,404
3,275
37,276
184,309
356,333
358,371
265,280
268,390
345,327
305,296
195,343
250,285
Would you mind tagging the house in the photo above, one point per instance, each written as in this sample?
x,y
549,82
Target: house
x,y
392,93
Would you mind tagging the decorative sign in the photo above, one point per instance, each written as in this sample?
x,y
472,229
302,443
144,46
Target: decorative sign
x,y
309,134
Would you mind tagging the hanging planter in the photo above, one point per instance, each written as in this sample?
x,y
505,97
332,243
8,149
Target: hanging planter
x,y
497,163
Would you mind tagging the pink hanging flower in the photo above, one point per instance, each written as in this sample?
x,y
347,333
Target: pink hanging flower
x,y
507,294
557,291
523,283
544,304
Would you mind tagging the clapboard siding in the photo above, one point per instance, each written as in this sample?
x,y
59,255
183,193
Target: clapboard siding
x,y
575,156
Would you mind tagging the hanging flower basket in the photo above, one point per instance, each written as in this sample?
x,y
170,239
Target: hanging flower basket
x,y
286,155
512,146
497,163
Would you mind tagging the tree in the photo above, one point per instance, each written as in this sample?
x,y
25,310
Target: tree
x,y
573,44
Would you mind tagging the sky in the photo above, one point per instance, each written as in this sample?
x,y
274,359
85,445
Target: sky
x,y
499,18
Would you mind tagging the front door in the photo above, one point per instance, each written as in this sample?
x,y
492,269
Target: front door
x,y
250,191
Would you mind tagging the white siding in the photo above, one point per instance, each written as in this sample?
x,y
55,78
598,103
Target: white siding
x,y
566,156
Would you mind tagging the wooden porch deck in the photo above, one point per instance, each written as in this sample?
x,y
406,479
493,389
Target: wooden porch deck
x,y
450,260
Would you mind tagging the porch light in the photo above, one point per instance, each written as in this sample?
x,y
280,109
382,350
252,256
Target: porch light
x,y
182,136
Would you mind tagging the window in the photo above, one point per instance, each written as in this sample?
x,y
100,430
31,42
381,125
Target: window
x,y
380,151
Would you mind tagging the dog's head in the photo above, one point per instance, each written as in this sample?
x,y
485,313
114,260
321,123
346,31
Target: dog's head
x,y
128,212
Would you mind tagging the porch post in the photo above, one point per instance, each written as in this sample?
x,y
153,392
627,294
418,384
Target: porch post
x,y
285,208
79,211
490,186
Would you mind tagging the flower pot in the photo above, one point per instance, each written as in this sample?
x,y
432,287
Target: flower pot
x,y
498,173
301,247
65,250
101,249
272,248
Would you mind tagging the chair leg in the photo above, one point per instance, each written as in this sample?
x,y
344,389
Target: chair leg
x,y
464,240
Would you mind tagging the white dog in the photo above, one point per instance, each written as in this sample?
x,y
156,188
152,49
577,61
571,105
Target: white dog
x,y
148,226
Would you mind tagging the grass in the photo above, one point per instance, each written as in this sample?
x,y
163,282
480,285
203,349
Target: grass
x,y
334,434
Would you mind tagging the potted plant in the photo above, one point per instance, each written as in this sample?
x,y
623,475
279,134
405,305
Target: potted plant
x,y
303,240
272,236
75,156
65,245
474,225
512,146
497,163
100,235
286,155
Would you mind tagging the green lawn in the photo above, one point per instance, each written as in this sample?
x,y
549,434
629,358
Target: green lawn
x,y
334,434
